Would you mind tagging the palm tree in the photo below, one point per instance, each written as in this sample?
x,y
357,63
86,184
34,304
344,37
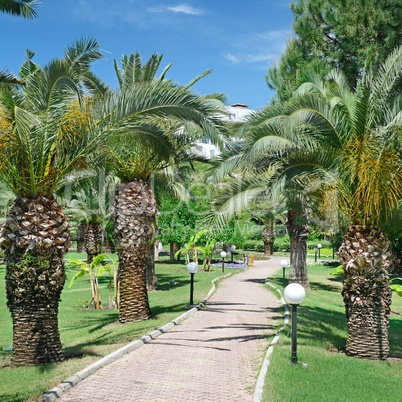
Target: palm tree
x,y
92,197
19,8
349,140
37,151
268,211
248,171
159,145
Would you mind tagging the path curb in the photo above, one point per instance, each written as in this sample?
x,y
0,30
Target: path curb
x,y
70,382
259,387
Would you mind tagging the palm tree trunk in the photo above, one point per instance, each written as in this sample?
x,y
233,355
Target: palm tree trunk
x,y
171,253
298,250
35,237
366,255
93,240
107,243
80,235
178,246
268,237
133,214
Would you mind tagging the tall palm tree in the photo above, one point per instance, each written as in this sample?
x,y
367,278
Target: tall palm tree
x,y
37,151
159,145
19,8
251,170
350,140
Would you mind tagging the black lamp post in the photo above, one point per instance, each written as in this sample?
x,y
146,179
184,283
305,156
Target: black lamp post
x,y
232,250
284,265
223,255
294,295
192,268
319,250
315,253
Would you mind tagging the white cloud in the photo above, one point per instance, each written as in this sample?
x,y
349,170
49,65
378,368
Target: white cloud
x,y
183,8
231,57
180,8
258,48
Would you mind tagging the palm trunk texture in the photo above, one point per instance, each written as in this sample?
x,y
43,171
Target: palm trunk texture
x,y
268,237
80,235
366,256
133,214
35,236
107,243
93,240
298,250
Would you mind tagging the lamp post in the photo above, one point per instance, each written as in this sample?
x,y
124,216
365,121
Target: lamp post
x,y
232,249
315,252
319,249
294,295
192,268
223,255
284,264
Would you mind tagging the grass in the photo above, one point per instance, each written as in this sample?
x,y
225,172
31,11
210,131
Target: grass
x,y
322,332
88,335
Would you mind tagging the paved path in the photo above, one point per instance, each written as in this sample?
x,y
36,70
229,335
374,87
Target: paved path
x,y
215,355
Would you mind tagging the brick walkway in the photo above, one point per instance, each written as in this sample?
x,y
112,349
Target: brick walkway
x,y
215,355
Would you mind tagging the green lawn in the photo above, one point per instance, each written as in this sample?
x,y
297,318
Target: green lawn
x,y
88,335
331,375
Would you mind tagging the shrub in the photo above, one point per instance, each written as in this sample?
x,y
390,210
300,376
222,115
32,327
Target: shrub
x,y
313,243
282,243
254,245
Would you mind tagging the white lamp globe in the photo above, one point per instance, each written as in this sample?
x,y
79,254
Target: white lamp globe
x,y
284,263
232,248
316,250
294,293
223,254
319,245
192,267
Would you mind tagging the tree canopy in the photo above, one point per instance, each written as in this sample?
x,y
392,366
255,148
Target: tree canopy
x,y
336,33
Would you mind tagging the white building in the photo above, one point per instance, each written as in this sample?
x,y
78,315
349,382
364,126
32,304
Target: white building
x,y
237,113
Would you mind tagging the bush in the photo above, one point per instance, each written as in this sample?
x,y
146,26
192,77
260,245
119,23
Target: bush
x,y
330,263
254,245
282,243
311,244
253,232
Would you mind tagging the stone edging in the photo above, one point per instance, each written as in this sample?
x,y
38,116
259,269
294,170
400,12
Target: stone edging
x,y
64,386
258,390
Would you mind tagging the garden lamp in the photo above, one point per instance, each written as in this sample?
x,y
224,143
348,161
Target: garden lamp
x,y
319,249
315,252
294,295
232,249
223,255
284,264
192,268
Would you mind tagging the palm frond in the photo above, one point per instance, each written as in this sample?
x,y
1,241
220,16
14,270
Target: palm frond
x,y
20,8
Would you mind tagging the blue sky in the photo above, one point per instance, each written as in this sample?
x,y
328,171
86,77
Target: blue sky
x,y
239,40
